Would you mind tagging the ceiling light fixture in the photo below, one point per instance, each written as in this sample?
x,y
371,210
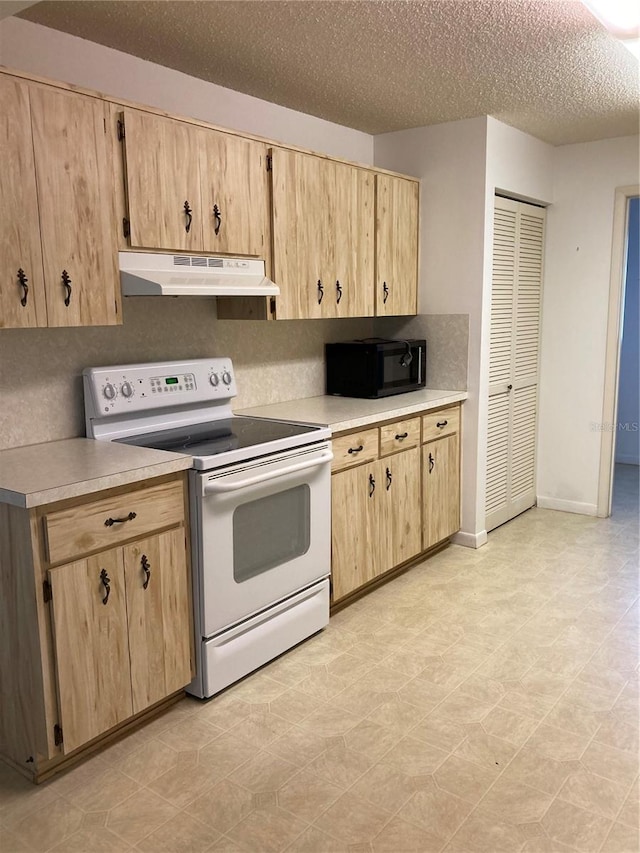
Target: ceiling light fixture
x,y
621,18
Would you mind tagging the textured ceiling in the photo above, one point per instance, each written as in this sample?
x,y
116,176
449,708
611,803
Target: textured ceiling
x,y
544,66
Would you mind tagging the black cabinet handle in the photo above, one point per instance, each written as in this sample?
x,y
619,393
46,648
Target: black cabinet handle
x,y
372,485
389,479
401,436
66,283
189,214
109,522
218,218
320,292
339,291
432,463
105,580
22,281
442,424
146,568
385,290
356,449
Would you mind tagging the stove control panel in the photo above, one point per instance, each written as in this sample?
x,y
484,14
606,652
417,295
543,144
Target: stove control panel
x,y
126,389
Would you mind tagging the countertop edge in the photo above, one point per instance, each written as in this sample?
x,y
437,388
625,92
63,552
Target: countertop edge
x,y
31,500
338,424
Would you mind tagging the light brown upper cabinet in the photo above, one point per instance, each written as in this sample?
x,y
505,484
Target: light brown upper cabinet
x,y
322,236
396,246
57,219
22,298
193,189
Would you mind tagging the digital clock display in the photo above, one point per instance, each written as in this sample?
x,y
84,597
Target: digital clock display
x,y
171,380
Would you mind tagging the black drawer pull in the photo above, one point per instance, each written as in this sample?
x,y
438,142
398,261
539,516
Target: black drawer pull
x,y
105,580
401,436
22,281
432,463
442,424
146,568
66,283
218,218
372,485
389,479
339,292
320,292
385,290
109,522
355,449
189,215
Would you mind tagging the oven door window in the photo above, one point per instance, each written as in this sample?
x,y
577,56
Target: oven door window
x,y
270,531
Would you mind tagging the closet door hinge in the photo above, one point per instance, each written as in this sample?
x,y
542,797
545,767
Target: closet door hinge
x,y
47,592
120,126
57,735
269,163
126,227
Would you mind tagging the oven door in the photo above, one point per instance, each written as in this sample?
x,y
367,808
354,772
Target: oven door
x,y
262,533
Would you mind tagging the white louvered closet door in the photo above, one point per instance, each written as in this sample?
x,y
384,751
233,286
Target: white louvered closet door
x,y
513,360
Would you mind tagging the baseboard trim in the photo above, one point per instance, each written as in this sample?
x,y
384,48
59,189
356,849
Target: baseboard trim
x,y
567,506
470,540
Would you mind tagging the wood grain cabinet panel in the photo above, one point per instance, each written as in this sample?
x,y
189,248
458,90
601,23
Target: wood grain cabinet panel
x,y
89,619
354,449
158,617
353,240
234,194
440,423
400,523
74,164
106,522
163,182
441,498
355,526
400,435
20,250
396,246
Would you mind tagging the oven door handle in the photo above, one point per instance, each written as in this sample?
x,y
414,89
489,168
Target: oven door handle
x,y
219,486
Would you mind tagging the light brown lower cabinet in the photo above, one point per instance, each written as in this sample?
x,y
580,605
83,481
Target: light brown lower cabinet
x,y
392,496
100,638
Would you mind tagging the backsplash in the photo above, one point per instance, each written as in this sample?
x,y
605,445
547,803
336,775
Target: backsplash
x,y
41,369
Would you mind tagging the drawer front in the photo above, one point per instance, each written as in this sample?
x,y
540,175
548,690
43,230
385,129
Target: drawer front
x,y
102,524
399,436
354,448
439,423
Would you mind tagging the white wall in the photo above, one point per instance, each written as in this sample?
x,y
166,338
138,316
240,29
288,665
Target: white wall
x,y
577,275
39,50
450,160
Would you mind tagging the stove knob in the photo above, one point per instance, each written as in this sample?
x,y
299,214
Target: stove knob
x,y
109,391
127,389
214,379
226,377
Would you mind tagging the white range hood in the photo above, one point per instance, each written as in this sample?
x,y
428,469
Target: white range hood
x,y
154,274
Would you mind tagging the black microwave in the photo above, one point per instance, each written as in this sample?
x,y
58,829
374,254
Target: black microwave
x,y
375,367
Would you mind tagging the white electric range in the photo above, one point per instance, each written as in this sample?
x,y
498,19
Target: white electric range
x,y
260,506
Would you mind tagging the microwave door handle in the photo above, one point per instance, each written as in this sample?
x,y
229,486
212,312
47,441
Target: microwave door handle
x,y
220,487
419,365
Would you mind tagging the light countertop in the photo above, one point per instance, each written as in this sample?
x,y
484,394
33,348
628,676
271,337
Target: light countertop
x,y
43,473
347,413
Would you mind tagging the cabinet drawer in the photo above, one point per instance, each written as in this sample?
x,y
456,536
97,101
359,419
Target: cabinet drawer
x,y
399,436
354,448
442,422
97,525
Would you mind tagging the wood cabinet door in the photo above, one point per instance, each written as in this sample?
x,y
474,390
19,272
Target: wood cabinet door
x,y
303,234
163,182
396,246
91,648
235,194
159,617
353,261
355,500
441,489
74,163
21,305
401,518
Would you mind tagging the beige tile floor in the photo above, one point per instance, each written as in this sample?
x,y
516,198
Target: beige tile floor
x,y
483,701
